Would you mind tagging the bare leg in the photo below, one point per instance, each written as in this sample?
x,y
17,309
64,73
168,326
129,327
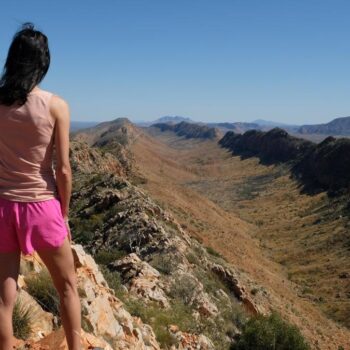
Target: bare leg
x,y
9,269
60,263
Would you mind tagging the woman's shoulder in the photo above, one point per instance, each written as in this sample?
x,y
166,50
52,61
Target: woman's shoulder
x,y
55,100
50,93
58,106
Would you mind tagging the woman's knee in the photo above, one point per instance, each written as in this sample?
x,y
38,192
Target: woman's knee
x,y
66,285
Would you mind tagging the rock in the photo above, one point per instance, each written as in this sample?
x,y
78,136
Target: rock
x,y
228,277
102,312
141,279
188,341
187,287
57,341
205,306
344,275
30,263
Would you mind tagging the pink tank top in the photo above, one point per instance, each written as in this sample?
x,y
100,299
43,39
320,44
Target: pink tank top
x,y
26,150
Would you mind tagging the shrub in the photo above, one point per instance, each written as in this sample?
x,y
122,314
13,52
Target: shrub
x,y
104,257
270,333
42,289
192,258
159,319
213,252
165,264
114,281
21,320
183,288
225,325
85,228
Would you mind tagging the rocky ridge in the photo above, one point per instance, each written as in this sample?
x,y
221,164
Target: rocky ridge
x,y
319,167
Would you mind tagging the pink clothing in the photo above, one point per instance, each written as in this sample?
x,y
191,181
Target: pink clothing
x,y
26,150
31,226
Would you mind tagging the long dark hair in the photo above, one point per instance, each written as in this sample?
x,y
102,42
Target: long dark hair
x,y
27,63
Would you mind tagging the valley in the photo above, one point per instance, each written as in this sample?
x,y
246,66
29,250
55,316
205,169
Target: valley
x,y
294,245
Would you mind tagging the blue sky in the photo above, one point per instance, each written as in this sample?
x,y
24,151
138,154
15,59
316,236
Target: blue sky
x,y
217,60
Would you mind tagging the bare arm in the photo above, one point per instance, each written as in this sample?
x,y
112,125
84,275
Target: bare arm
x,y
60,112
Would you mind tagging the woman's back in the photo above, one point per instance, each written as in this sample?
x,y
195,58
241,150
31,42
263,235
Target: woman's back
x,y
26,149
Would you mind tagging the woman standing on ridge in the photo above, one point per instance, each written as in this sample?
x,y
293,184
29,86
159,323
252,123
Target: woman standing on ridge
x,y
34,200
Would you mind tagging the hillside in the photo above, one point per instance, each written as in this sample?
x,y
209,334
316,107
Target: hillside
x,y
338,126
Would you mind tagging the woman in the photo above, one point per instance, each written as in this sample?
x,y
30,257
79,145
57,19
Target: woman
x,y
34,200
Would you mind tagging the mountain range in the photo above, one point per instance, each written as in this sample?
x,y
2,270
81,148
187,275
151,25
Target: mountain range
x,y
336,127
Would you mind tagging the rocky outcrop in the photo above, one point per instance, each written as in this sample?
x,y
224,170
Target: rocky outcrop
x,y
189,130
141,279
190,341
103,314
326,166
233,283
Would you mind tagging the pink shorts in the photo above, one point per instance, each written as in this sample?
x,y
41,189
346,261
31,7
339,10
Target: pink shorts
x,y
29,226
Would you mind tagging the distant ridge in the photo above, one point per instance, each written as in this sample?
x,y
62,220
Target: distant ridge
x,y
319,167
237,127
189,130
338,126
172,119
166,119
271,123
